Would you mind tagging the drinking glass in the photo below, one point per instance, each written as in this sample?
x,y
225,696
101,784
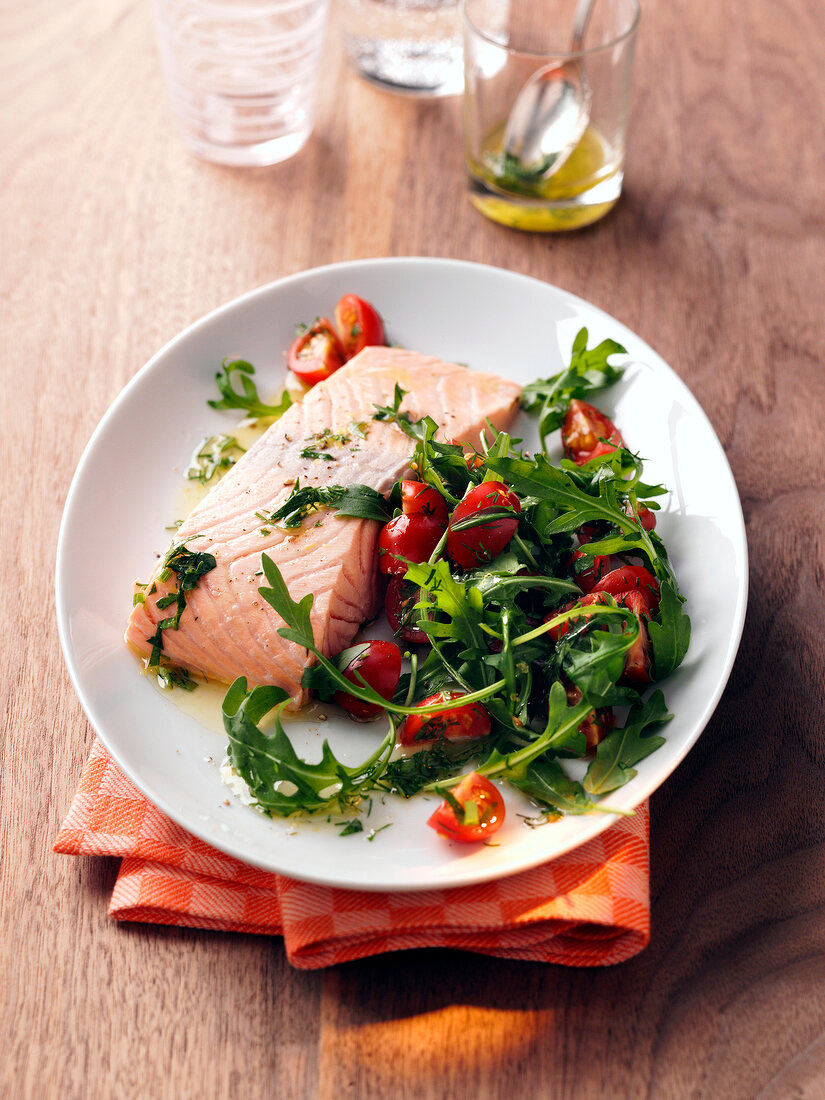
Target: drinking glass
x,y
505,42
242,74
408,46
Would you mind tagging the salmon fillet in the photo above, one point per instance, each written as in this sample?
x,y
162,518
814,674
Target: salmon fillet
x,y
227,629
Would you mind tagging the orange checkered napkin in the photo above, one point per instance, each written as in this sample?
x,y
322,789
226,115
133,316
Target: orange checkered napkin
x,y
589,907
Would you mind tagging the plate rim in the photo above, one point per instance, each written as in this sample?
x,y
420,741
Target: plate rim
x,y
477,875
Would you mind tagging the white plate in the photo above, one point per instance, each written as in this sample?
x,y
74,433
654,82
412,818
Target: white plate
x,y
124,493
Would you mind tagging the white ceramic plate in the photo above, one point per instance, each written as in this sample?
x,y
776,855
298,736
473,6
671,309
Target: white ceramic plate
x,y
125,491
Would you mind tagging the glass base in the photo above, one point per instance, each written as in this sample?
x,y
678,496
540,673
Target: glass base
x,y
259,154
407,67
546,215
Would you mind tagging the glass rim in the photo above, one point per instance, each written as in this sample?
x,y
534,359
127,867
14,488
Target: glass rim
x,y
560,55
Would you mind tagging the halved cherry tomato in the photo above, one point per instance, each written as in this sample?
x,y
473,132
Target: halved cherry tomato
x,y
419,498
590,576
557,632
476,545
474,811
647,517
316,353
592,532
637,663
400,599
359,325
587,433
411,537
380,666
460,723
597,724
631,578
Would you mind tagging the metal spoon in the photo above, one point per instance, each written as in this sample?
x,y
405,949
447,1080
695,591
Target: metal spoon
x,y
552,110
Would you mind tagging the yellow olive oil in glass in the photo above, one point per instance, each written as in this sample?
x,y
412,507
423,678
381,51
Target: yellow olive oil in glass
x,y
583,190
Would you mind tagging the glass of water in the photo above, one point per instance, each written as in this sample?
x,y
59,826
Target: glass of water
x,y
242,74
408,46
506,42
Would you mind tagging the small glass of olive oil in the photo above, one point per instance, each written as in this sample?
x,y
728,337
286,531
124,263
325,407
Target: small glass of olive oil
x,y
504,44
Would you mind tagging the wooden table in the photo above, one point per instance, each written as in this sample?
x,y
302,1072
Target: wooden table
x,y
114,239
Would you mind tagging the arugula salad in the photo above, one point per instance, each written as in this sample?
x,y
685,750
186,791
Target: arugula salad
x,y
534,609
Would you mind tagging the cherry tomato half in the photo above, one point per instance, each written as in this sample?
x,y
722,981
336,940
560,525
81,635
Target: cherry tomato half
x,y
592,532
316,353
559,631
359,325
459,723
631,578
637,663
380,665
474,811
419,498
647,517
401,597
411,537
475,546
590,576
587,433
597,724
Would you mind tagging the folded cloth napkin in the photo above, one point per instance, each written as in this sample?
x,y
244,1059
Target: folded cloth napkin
x,y
589,907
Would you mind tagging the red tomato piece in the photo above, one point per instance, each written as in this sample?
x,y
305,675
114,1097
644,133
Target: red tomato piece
x,y
474,811
597,724
647,518
631,578
411,537
559,631
588,577
475,546
316,353
460,723
419,498
400,599
591,532
359,325
637,663
380,666
587,433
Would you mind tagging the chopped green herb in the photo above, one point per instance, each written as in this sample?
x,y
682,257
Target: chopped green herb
x,y
308,452
188,566
359,501
390,412
213,455
247,397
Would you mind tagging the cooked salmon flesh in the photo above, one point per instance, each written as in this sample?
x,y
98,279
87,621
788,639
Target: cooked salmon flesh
x,y
227,629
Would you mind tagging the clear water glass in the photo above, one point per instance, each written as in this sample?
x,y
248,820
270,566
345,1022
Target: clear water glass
x,y
407,46
242,74
505,43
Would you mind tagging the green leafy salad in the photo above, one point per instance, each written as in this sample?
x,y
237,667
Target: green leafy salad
x,y
534,609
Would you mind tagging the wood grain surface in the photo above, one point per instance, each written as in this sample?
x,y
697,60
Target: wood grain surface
x,y
113,239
